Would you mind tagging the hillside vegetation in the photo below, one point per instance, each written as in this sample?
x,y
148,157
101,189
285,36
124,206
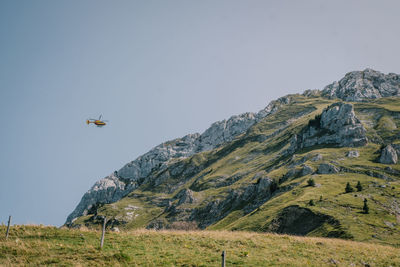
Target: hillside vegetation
x,y
39,245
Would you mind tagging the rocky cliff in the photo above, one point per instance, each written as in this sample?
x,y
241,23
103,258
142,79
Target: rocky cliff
x,y
337,125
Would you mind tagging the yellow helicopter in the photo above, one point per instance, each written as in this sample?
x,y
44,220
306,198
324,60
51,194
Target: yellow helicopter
x,y
98,122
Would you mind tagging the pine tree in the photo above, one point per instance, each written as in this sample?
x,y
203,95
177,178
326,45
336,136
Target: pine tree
x,y
359,186
311,202
311,182
365,208
349,189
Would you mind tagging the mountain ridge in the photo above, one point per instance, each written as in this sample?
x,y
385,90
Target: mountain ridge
x,y
252,161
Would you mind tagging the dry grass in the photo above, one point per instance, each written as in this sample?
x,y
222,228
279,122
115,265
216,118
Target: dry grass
x,y
38,245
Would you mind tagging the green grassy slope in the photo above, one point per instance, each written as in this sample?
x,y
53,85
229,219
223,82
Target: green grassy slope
x,y
213,175
37,246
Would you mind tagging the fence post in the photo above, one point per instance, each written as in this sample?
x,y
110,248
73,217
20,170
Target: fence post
x,y
223,258
8,226
103,232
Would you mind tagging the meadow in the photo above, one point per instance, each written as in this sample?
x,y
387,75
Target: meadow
x,y
47,245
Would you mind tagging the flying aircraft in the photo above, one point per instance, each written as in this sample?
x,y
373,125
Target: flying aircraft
x,y
99,122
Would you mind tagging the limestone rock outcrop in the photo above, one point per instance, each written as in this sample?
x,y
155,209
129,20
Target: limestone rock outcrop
x,y
185,196
388,155
109,189
326,168
337,125
297,172
361,85
254,195
306,170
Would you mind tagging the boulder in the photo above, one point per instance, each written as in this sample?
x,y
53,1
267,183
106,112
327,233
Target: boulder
x,y
306,170
326,168
353,154
388,155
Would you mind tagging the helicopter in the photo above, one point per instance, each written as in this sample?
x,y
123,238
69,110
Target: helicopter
x,y
98,122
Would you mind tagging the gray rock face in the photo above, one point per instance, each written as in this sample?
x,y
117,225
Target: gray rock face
x,y
367,84
326,168
112,188
317,157
253,195
185,196
397,148
338,125
306,170
296,173
388,155
292,173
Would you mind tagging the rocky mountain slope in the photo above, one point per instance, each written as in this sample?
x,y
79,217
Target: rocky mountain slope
x,y
252,171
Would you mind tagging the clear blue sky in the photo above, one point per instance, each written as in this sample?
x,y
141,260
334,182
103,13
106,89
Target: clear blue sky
x,y
156,70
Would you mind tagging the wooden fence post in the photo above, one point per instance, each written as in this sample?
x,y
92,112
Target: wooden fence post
x,y
223,258
8,226
103,232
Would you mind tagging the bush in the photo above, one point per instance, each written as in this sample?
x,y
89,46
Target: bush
x,y
365,208
348,188
359,186
273,187
311,202
311,182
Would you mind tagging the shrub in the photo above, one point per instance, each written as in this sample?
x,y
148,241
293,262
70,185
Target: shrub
x,y
365,208
348,188
311,182
316,122
359,186
311,202
273,187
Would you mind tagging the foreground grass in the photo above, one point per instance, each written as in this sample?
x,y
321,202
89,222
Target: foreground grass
x,y
38,245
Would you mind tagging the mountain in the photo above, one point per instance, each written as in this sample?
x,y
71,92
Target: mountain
x,y
283,169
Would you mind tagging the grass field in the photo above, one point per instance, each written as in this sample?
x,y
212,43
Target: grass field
x,y
41,245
